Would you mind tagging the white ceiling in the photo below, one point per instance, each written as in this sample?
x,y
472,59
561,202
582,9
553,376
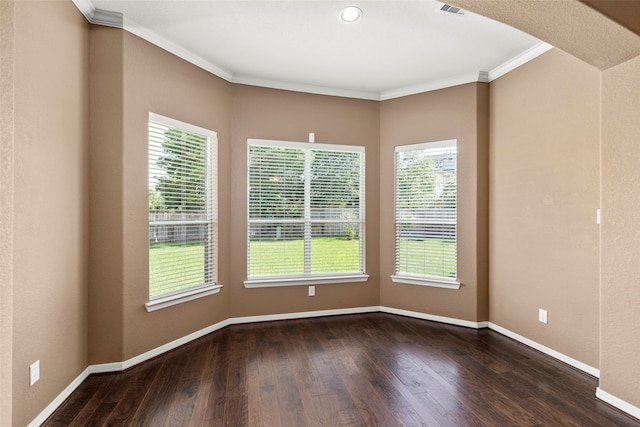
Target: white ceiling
x,y
399,47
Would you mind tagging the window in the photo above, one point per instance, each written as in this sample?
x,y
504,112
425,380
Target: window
x,y
305,213
425,214
182,212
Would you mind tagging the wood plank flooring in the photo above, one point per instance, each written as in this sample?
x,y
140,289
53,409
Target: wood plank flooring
x,y
358,370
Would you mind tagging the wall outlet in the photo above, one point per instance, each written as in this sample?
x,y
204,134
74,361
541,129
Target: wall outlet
x,y
542,315
34,372
312,291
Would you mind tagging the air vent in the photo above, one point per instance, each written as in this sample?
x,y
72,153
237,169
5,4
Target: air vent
x,y
452,9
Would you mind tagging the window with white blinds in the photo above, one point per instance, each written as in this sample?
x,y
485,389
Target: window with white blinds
x,y
305,210
425,211
182,207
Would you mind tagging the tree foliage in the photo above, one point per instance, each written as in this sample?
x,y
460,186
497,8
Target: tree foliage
x,y
277,181
423,184
183,187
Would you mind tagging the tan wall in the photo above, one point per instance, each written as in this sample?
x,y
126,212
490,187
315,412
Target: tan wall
x,y
282,115
453,113
130,77
138,78
620,292
105,202
544,195
159,82
6,209
51,206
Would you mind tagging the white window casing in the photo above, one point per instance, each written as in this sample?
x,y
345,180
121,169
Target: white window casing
x,y
426,214
306,213
183,217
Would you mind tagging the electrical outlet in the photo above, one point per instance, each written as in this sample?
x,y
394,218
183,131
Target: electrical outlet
x,y
542,315
34,372
312,291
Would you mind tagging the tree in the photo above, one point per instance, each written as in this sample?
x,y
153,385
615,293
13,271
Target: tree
x,y
183,185
276,182
155,200
335,179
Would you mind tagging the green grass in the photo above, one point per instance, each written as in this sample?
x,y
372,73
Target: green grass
x,y
329,255
167,259
415,257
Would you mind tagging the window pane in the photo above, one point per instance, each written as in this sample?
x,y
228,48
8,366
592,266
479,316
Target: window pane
x,y
276,249
335,184
305,214
426,193
335,247
276,182
182,232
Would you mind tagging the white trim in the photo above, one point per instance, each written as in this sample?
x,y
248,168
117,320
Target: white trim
x,y
85,7
190,295
445,143
546,350
251,142
616,402
168,121
305,88
434,318
99,16
429,86
433,282
51,407
303,315
121,366
117,20
155,39
521,59
304,281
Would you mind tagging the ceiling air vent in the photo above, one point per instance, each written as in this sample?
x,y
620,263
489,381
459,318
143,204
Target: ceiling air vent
x,y
452,9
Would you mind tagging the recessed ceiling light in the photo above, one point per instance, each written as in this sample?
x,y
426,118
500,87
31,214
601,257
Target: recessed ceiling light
x,y
350,14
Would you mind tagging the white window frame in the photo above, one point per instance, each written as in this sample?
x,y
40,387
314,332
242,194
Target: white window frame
x,y
210,287
418,279
309,278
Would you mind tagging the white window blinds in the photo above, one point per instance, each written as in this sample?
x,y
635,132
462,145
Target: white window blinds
x,y
182,207
425,210
305,209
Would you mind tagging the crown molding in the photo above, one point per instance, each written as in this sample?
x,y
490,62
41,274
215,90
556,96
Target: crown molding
x,y
99,16
429,86
521,59
301,87
156,39
117,20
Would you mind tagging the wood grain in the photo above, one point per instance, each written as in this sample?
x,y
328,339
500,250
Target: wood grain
x,y
357,370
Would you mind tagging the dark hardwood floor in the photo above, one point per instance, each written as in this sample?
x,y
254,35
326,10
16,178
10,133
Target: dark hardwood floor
x,y
357,370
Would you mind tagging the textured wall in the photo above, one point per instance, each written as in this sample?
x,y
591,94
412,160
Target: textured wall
x,y
620,292
455,113
567,24
6,209
51,202
290,116
131,78
545,167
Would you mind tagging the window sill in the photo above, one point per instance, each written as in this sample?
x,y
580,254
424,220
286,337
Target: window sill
x,y
170,300
433,282
302,281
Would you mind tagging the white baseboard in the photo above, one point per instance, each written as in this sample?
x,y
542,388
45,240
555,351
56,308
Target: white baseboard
x,y
120,366
42,416
546,350
103,368
303,315
434,318
616,402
